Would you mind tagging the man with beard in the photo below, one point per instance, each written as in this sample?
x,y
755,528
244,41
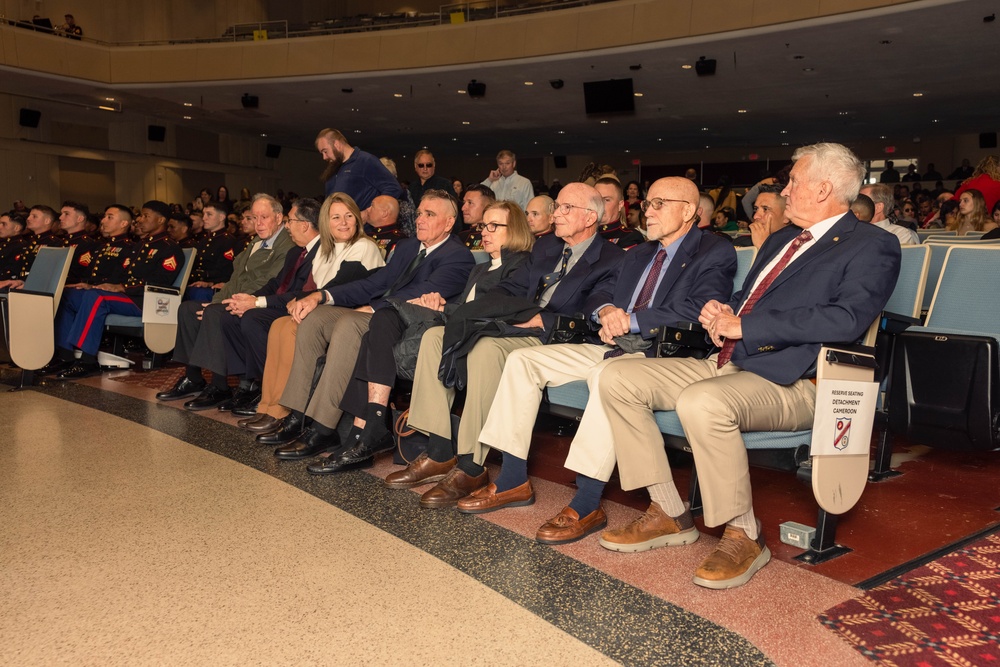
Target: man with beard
x,y
354,172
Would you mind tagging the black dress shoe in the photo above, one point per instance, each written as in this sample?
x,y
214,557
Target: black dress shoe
x,y
210,397
291,428
307,447
54,367
361,455
79,370
183,388
244,403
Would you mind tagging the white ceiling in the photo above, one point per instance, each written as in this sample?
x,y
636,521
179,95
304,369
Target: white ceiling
x,y
845,78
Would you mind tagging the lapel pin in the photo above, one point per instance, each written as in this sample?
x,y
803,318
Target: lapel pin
x,y
836,238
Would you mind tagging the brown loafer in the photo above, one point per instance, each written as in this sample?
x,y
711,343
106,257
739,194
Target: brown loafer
x,y
455,485
422,470
567,526
487,499
263,424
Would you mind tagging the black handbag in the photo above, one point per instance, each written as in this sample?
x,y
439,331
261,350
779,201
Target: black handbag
x,y
573,330
687,339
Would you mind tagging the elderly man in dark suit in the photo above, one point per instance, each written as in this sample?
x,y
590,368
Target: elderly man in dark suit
x,y
333,320
564,270
662,282
825,278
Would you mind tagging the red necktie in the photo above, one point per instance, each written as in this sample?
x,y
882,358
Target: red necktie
x,y
727,348
287,280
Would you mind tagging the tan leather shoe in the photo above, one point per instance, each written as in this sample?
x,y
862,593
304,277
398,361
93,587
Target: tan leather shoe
x,y
567,526
455,485
422,470
487,499
653,529
736,558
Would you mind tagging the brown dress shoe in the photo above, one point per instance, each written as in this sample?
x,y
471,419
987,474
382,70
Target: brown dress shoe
x,y
653,529
567,526
422,470
243,423
455,485
736,558
264,424
487,499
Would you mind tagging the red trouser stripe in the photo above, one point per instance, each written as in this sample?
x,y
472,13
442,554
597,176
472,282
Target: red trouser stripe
x,y
93,314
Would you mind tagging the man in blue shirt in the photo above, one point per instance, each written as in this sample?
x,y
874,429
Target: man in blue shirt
x,y
352,171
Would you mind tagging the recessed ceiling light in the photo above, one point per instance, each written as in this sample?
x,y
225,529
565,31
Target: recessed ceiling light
x,y
465,122
707,146
357,131
741,111
397,94
686,66
529,83
704,129
188,104
660,139
841,113
935,121
882,136
461,92
454,138
627,150
263,134
784,143
109,99
560,131
187,117
784,132
807,69
637,94
604,122
918,94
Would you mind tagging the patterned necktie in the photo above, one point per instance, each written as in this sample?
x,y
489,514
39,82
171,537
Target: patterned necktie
x,y
290,276
727,348
550,279
645,294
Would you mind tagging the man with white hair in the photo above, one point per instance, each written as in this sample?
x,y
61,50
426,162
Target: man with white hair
x,y
881,196
822,279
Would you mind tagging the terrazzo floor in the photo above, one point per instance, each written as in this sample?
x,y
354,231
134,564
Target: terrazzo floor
x,y
137,533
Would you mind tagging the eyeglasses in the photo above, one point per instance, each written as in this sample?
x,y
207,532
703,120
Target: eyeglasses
x,y
490,226
563,209
657,203
424,165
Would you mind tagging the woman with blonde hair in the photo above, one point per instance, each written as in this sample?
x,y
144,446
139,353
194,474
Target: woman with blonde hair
x,y
973,215
345,254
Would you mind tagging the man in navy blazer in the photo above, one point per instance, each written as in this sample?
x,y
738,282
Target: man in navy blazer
x,y
564,270
822,280
333,320
664,281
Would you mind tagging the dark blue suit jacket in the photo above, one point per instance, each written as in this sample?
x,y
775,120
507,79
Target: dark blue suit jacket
x,y
702,269
270,289
594,272
446,270
831,294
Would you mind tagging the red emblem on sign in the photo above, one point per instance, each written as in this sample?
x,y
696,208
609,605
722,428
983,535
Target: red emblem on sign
x,y
170,264
228,254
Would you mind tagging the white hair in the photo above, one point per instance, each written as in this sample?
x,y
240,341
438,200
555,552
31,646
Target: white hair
x,y
838,165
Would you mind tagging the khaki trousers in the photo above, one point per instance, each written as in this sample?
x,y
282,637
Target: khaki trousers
x,y
335,332
277,365
714,405
526,373
430,407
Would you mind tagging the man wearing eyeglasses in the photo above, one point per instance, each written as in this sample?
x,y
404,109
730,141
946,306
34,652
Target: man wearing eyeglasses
x,y
662,282
825,278
564,271
424,165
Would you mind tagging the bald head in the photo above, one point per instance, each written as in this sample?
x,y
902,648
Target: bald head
x,y
383,212
673,209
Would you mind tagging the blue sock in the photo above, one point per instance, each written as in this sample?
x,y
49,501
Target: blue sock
x,y
513,473
588,495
